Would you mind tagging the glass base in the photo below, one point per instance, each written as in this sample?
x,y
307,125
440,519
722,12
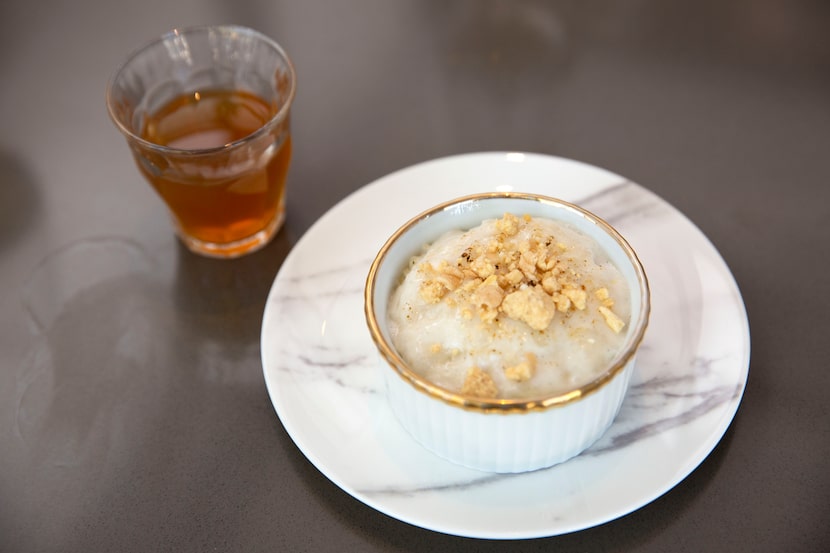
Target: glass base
x,y
239,247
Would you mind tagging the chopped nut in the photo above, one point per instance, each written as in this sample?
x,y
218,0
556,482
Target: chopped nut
x,y
611,319
527,265
577,296
482,267
471,284
546,262
435,348
563,302
480,384
509,224
551,285
604,297
432,291
530,305
511,260
489,294
523,371
450,282
515,277
451,277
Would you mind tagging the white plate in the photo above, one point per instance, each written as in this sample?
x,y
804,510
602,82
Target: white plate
x,y
322,370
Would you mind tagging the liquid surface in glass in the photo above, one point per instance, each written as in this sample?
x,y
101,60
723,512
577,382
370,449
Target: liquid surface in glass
x,y
224,196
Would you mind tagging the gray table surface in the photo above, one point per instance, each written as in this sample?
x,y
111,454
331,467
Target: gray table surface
x,y
133,411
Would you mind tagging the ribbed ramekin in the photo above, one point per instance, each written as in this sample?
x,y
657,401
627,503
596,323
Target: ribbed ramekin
x,y
502,435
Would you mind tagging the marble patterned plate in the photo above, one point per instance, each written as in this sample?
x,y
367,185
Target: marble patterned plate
x,y
322,371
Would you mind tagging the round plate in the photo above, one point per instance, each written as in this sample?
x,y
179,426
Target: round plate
x,y
323,372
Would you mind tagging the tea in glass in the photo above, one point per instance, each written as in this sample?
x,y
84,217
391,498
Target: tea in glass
x,y
206,114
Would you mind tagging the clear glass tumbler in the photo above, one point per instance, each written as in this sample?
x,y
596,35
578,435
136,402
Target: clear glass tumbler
x,y
205,112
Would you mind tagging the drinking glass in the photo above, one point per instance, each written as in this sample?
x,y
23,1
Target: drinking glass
x,y
205,112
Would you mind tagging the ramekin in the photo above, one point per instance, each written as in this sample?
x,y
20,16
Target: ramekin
x,y
502,435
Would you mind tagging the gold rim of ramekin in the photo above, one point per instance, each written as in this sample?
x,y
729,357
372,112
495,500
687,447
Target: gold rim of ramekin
x,y
507,405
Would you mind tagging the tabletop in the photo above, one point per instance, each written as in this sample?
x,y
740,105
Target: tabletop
x,y
134,414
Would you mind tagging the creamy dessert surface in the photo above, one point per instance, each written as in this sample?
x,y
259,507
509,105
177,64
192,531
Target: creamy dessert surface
x,y
518,307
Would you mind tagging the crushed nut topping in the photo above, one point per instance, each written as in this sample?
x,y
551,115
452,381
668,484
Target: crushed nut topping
x,y
602,295
479,384
517,306
611,319
530,281
531,305
523,371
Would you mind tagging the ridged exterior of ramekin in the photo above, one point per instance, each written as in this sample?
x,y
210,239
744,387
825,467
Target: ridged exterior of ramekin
x,y
507,441
502,434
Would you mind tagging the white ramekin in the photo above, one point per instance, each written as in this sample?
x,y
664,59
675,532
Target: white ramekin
x,y
502,435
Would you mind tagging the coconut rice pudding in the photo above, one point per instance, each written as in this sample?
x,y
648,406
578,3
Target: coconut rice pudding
x,y
518,307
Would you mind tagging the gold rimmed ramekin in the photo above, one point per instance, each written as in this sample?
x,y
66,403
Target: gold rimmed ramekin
x,y
502,435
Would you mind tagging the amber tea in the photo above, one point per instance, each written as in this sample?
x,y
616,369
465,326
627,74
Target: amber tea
x,y
205,111
213,201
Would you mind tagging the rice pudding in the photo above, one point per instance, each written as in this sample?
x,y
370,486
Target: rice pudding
x,y
517,307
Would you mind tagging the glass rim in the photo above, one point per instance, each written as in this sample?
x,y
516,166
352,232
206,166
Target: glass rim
x,y
278,117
